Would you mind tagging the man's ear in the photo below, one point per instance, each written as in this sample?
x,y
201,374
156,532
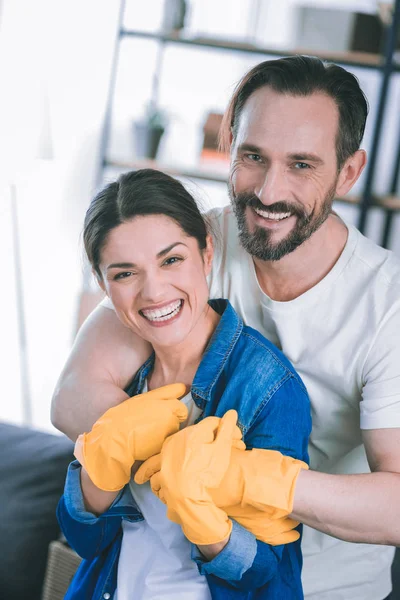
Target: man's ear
x,y
208,255
350,172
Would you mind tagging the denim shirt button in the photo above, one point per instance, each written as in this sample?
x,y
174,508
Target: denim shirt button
x,y
107,596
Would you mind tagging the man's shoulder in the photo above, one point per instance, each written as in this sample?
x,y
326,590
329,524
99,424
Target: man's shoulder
x,y
224,230
382,265
222,222
229,255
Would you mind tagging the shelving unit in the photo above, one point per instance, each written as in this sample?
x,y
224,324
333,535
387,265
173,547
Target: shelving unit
x,y
389,203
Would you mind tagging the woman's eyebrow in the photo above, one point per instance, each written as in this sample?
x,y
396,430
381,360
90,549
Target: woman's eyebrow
x,y
166,250
122,265
129,265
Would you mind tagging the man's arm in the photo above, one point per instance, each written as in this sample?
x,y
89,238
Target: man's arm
x,y
103,360
356,508
365,507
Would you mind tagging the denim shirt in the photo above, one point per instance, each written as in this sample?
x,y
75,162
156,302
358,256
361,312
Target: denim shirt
x,y
240,369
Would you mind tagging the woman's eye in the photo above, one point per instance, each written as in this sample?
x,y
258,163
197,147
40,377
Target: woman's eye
x,y
123,275
171,260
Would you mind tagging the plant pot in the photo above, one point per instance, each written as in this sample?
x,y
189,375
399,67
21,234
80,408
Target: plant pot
x,y
174,15
147,139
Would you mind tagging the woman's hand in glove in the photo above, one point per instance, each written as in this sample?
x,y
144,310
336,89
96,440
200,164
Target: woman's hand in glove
x,y
134,430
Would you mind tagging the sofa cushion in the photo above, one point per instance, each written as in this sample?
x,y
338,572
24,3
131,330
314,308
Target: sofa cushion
x,y
32,471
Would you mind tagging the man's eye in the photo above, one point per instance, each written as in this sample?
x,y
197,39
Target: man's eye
x,y
171,260
301,165
123,275
253,157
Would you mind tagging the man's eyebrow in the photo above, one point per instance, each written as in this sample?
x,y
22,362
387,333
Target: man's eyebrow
x,y
300,156
129,265
249,148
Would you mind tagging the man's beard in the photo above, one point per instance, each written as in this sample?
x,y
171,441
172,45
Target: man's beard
x,y
259,243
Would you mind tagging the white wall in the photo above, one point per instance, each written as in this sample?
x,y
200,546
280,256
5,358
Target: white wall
x,y
55,62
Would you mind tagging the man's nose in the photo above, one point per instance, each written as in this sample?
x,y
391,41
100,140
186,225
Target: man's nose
x,y
273,186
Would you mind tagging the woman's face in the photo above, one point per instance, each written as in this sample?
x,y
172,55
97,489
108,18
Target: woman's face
x,y
155,276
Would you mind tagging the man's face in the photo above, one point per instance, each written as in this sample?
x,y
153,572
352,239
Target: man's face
x,y
283,170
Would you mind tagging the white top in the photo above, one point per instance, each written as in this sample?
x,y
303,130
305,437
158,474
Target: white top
x,y
342,336
155,562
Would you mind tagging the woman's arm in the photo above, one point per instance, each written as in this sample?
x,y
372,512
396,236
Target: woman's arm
x,y
103,360
96,501
85,532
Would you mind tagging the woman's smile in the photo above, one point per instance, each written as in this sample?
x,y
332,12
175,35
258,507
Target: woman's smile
x,y
164,314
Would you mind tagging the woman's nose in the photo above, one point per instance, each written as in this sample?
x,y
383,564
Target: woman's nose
x,y
153,288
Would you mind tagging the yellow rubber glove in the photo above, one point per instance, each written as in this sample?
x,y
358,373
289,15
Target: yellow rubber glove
x,y
263,479
266,529
257,491
194,461
134,430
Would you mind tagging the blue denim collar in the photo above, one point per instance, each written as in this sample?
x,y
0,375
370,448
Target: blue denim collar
x,y
218,350
215,356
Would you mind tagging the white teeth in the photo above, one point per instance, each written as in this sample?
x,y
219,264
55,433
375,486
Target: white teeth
x,y
273,216
164,313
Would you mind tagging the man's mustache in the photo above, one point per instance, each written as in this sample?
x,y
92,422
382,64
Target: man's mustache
x,y
243,200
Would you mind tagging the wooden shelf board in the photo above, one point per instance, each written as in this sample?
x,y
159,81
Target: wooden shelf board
x,y
199,172
358,59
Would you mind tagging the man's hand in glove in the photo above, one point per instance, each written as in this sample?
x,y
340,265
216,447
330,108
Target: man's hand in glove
x,y
192,463
134,430
257,491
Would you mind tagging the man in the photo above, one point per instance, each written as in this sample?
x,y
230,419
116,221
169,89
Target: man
x,y
318,289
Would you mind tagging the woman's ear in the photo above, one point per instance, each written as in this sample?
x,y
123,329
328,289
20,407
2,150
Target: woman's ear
x,y
208,254
99,280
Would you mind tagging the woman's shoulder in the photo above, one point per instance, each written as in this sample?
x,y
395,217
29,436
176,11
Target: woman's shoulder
x,y
252,342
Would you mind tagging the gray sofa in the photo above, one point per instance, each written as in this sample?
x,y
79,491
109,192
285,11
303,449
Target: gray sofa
x,y
33,465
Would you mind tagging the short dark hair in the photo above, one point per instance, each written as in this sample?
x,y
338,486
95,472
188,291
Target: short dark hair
x,y
137,193
303,76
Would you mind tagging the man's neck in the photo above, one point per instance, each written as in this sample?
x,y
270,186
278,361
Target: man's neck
x,y
299,271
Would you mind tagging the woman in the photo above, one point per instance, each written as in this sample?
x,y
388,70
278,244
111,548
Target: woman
x,y
151,252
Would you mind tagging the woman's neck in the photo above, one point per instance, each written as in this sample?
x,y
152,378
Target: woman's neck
x,y
179,363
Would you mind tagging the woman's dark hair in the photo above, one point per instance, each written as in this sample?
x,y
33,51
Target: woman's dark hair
x,y
303,76
144,192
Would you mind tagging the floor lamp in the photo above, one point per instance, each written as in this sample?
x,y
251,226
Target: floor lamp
x,y
20,309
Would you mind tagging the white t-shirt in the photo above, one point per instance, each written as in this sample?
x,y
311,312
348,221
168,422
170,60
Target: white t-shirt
x,y
343,338
155,560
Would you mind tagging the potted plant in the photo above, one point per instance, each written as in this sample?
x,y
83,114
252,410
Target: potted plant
x,y
148,132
